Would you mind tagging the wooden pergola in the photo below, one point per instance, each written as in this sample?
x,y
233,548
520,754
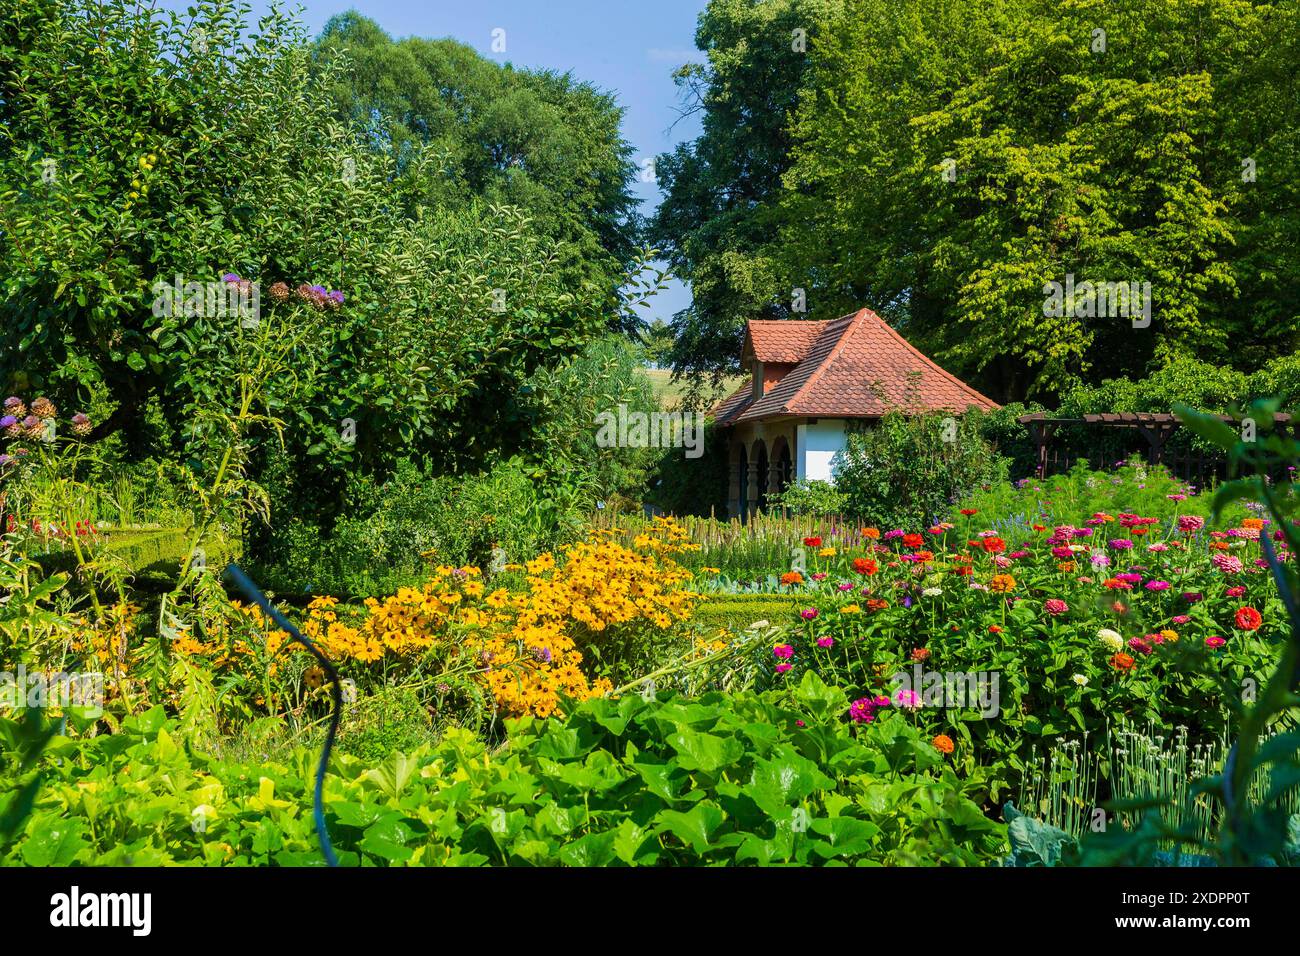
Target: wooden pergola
x,y
1155,427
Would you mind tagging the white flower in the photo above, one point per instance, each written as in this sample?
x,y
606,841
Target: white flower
x,y
1080,679
931,592
1112,641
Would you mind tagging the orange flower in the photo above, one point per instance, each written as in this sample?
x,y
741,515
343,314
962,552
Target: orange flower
x,y
865,566
792,577
872,533
876,604
1256,524
1002,584
1121,662
943,744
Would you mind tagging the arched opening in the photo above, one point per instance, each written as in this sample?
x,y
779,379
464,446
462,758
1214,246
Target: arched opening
x,y
743,497
782,465
761,464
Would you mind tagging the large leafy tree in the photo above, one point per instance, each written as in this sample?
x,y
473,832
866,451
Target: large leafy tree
x,y
946,159
721,192
543,142
191,144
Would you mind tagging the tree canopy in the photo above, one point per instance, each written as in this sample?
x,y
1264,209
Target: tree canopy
x,y
942,160
137,145
543,142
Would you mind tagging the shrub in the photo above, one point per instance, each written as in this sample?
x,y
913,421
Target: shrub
x,y
908,470
819,499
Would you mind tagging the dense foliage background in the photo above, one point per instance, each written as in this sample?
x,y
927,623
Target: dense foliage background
x,y
1164,150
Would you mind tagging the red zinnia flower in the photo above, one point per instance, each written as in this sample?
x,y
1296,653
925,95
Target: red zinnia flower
x,y
913,540
813,542
968,511
993,545
865,566
1248,619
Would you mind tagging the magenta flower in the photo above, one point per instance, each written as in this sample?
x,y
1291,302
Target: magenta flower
x,y
1055,606
1157,585
782,668
1214,642
808,613
1121,544
826,641
863,710
783,652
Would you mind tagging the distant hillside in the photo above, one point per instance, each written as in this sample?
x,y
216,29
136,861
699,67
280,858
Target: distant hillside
x,y
669,393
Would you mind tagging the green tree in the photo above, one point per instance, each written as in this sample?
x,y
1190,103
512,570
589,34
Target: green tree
x,y
947,159
540,141
188,144
719,212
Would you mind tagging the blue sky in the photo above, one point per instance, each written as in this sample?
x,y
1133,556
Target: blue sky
x,y
629,48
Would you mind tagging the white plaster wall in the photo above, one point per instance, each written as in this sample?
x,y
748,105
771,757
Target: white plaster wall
x,y
819,443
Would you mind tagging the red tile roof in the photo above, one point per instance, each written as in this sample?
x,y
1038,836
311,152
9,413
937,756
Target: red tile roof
x,y
778,340
851,367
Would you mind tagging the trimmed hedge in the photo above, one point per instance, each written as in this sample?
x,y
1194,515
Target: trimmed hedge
x,y
738,611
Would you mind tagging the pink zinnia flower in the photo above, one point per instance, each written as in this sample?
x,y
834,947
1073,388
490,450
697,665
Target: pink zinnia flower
x,y
1214,642
1180,619
908,699
808,613
782,668
1236,591
826,641
1190,524
1055,606
1157,585
783,651
1227,563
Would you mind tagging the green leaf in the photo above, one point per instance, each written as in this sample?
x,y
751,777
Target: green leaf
x,y
693,827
